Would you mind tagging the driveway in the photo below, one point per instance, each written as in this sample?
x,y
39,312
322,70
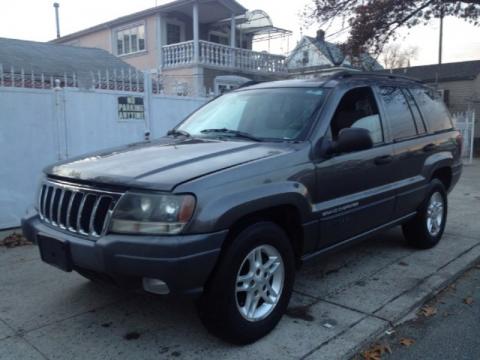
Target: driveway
x,y
339,304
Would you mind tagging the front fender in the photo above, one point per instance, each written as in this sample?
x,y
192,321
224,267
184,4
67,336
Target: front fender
x,y
223,211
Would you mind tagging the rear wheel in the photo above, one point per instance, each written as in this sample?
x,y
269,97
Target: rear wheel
x,y
251,287
425,230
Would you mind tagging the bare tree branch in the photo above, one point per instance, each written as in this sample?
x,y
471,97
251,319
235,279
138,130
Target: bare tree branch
x,y
373,23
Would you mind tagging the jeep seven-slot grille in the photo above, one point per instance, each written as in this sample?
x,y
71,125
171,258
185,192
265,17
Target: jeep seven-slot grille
x,y
76,209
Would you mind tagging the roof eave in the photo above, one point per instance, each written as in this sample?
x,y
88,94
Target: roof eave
x,y
234,6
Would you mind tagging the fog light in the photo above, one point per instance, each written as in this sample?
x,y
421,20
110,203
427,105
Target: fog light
x,y
155,286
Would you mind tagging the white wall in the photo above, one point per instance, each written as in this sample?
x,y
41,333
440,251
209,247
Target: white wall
x,y
40,127
28,142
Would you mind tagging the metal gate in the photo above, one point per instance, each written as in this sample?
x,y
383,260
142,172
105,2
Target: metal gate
x,y
465,123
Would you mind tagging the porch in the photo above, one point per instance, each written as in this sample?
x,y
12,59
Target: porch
x,y
221,56
217,34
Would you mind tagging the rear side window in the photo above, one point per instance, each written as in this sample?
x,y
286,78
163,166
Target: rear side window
x,y
433,109
399,115
416,113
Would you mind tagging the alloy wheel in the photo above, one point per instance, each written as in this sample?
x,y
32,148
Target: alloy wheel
x,y
259,283
435,214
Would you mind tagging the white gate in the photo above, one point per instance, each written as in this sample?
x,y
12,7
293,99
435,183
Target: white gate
x,y
465,123
41,124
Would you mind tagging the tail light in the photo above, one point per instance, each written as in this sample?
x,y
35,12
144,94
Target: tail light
x,y
459,140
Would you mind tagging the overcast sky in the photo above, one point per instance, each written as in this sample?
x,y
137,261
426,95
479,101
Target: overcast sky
x,y
35,20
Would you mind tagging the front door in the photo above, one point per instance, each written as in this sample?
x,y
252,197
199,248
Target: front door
x,y
354,191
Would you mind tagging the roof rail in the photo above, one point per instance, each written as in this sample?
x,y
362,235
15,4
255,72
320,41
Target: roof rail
x,y
351,74
250,83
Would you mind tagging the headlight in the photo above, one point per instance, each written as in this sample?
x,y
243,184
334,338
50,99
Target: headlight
x,y
139,213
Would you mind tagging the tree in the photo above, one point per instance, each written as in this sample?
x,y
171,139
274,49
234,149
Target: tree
x,y
394,56
372,23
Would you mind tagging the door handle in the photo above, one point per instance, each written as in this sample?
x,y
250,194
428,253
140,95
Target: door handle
x,y
429,147
383,160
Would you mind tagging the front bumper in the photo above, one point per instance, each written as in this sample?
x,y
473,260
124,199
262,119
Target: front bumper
x,y
183,262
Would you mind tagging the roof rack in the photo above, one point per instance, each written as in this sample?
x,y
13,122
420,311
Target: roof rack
x,y
343,74
250,83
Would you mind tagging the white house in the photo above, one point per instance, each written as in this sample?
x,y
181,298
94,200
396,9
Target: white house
x,y
312,56
191,43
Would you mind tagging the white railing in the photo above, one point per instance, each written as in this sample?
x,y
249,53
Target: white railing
x,y
116,79
259,61
178,54
218,55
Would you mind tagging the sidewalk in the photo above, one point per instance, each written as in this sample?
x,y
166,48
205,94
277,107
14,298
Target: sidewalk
x,y
338,306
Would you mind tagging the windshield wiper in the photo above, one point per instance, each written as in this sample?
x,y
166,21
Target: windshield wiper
x,y
234,133
176,132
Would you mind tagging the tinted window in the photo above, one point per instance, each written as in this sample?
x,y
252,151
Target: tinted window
x,y
416,113
433,109
399,114
358,109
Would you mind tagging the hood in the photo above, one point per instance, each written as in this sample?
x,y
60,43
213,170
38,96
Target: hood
x,y
161,164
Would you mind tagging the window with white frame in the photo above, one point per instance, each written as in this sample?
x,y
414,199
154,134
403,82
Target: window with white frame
x,y
131,40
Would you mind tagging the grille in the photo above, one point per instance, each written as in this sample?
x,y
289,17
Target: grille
x,y
76,209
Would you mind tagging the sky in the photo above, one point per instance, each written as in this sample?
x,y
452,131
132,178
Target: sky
x,y
35,20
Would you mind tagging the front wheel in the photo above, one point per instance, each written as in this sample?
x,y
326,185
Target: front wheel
x,y
425,230
251,287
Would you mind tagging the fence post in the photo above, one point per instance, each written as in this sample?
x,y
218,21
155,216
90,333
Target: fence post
x,y
472,135
147,90
60,120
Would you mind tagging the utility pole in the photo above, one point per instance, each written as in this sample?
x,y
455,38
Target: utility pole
x,y
56,6
440,45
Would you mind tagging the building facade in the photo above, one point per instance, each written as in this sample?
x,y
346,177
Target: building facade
x,y
191,43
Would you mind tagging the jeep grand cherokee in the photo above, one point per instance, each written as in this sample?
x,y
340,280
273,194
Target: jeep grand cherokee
x,y
250,186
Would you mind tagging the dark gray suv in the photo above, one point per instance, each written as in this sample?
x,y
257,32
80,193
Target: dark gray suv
x,y
249,187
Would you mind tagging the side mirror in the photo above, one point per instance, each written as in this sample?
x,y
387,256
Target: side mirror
x,y
350,140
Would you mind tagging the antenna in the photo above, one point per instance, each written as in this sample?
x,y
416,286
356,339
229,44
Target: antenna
x,y
56,6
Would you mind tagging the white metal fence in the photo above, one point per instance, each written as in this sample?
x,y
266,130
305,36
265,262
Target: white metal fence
x,y
108,79
42,124
465,123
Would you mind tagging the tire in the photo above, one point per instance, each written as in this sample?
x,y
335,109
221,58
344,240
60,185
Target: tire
x,y
424,231
223,307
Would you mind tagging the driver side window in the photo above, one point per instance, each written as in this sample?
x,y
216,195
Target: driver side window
x,y
358,109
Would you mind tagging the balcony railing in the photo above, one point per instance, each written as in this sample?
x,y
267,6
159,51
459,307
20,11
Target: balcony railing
x,y
216,55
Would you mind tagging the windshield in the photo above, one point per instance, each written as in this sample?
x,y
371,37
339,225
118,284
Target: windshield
x,y
276,114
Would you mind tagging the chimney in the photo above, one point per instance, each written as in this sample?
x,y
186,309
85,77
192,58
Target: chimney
x,y
320,35
56,6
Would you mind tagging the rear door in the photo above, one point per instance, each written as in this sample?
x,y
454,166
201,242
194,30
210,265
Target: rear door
x,y
353,192
412,144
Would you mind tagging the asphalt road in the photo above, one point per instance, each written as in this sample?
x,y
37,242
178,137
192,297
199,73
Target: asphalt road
x,y
340,303
452,333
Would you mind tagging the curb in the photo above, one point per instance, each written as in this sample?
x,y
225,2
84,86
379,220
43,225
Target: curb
x,y
347,344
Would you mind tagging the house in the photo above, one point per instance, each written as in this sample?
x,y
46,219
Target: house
x,y
36,64
313,56
191,43
459,82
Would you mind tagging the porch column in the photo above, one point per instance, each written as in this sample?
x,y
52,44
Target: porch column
x,y
232,39
159,27
232,32
196,37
